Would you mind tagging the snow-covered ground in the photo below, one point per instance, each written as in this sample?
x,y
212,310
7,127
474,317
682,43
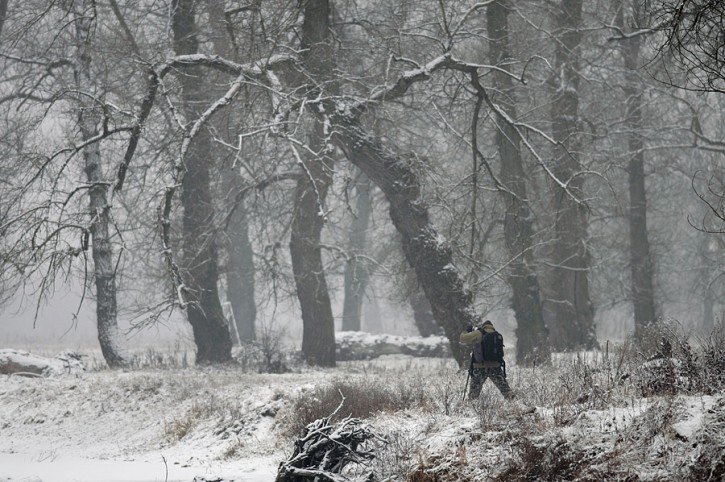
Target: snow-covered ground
x,y
175,424
139,425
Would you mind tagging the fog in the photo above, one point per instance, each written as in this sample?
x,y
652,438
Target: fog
x,y
63,322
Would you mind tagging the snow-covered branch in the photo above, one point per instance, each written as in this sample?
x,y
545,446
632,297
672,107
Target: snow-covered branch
x,y
206,115
326,448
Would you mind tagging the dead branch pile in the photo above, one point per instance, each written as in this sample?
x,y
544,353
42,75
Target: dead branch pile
x,y
325,449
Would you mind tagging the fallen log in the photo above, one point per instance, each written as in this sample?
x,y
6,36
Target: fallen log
x,y
23,363
357,345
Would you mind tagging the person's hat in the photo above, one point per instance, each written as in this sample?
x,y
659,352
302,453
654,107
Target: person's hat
x,y
487,322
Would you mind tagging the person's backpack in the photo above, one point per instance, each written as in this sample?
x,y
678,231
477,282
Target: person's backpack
x,y
490,348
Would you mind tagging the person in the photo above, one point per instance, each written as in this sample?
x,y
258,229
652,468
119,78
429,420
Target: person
x,y
486,359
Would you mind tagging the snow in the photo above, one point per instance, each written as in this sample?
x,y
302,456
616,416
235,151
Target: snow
x,y
353,345
64,363
693,416
399,340
64,468
178,424
116,425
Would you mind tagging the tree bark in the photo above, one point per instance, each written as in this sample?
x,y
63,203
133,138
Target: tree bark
x,y
640,257
318,332
532,345
100,210
422,312
199,260
240,254
240,268
571,324
356,271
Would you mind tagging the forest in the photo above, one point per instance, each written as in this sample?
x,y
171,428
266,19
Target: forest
x,y
554,165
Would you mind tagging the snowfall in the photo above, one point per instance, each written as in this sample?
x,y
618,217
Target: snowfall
x,y
584,418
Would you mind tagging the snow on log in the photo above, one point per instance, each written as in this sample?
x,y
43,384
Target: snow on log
x,y
23,363
357,345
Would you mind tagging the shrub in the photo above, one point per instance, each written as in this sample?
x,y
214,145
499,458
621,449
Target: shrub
x,y
672,364
363,397
708,454
489,407
210,407
268,354
654,422
554,460
713,358
176,429
399,456
709,464
442,468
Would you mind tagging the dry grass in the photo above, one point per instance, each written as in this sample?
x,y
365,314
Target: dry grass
x,y
178,428
599,415
632,406
361,397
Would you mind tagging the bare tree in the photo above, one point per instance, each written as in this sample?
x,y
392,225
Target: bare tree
x,y
8,281
691,34
318,331
356,274
89,119
694,30
571,324
46,235
240,269
336,109
240,272
199,263
640,257
708,250
532,346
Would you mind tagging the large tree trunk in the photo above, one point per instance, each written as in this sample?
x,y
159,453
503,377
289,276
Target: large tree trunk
x,y
240,255
318,332
199,261
427,253
532,346
103,260
356,271
240,268
571,325
422,312
640,258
